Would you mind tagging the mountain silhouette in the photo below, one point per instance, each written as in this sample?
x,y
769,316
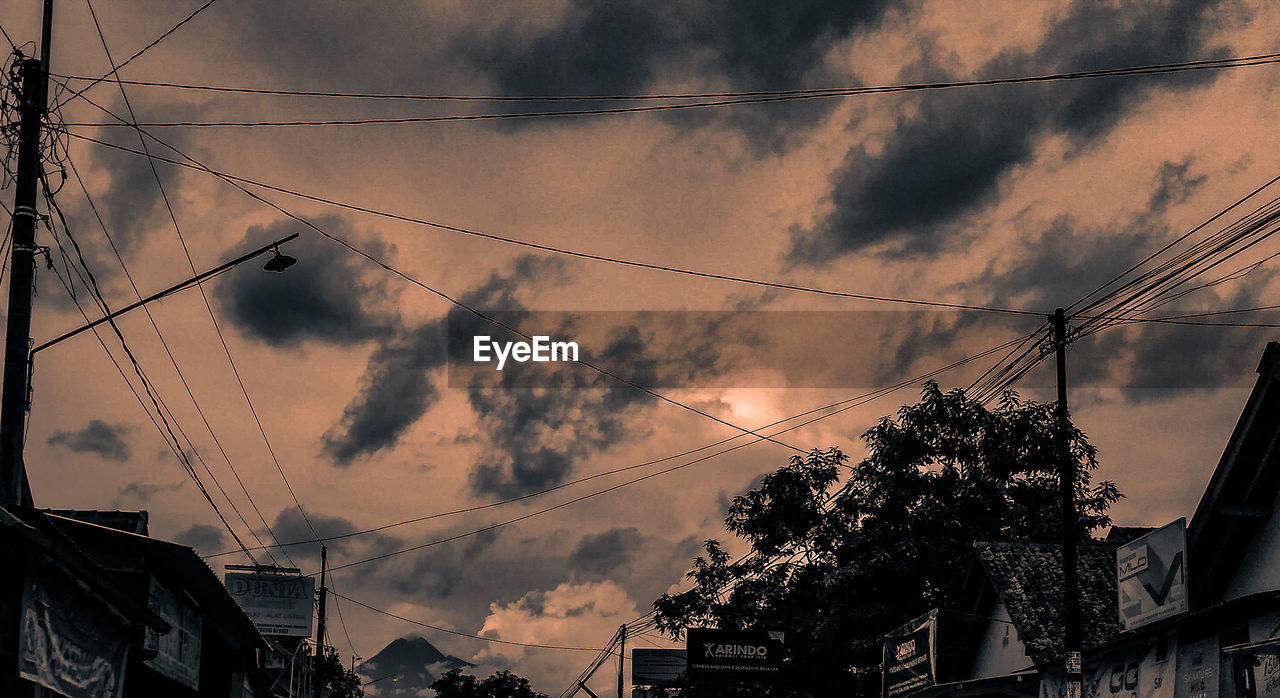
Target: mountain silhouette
x,y
415,664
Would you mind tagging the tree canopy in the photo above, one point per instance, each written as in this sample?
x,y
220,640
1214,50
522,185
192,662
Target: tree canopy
x,y
840,558
503,684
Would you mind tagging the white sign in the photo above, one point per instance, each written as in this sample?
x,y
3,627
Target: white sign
x,y
651,667
1151,576
278,604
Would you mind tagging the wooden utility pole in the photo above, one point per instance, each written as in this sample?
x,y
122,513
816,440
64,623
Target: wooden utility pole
x,y
316,684
1067,483
33,104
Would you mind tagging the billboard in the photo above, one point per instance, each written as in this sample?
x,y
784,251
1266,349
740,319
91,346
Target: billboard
x,y
278,604
734,655
1151,576
654,667
910,656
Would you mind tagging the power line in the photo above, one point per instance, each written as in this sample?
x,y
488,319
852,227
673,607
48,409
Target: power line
x,y
557,250
161,423
397,272
860,399
187,252
172,359
130,59
722,99
845,405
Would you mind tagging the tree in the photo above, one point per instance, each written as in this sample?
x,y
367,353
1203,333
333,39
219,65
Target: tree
x,y
503,684
336,679
840,567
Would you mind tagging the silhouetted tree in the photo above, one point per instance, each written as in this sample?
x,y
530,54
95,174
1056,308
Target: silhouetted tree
x,y
336,679
836,569
503,684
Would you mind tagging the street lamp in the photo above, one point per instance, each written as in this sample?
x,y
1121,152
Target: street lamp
x,y
13,475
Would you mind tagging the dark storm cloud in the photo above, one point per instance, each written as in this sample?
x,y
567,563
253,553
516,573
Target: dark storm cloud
x,y
397,391
625,47
949,158
291,527
599,555
618,47
537,435
325,297
97,437
202,537
397,386
131,204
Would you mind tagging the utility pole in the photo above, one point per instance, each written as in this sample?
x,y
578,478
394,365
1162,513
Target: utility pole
x,y
622,655
316,684
1067,481
33,104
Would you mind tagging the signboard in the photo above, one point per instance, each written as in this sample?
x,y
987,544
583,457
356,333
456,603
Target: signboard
x,y
177,651
654,667
910,656
67,641
1198,670
734,655
1144,669
278,604
1151,576
1266,667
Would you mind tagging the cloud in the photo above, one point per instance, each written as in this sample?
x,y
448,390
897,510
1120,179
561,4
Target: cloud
x,y
948,158
202,537
291,527
144,492
397,391
573,615
97,437
325,297
600,555
630,47
131,204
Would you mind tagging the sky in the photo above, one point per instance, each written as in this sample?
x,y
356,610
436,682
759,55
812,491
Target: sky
x,y
343,388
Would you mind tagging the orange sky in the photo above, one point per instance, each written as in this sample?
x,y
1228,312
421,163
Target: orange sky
x,y
1022,196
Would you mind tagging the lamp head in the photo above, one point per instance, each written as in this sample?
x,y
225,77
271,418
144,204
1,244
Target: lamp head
x,y
279,262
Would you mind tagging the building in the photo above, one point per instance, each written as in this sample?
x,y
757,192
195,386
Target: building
x,y
1226,644
95,608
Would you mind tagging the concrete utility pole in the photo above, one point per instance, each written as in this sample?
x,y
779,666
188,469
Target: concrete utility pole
x,y
622,655
316,684
1067,481
33,105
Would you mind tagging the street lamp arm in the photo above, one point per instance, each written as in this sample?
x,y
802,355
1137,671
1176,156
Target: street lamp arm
x,y
156,296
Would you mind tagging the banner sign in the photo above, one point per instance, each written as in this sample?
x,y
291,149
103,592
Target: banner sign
x,y
278,604
1198,670
733,655
1143,669
1151,576
655,667
177,651
910,656
67,642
